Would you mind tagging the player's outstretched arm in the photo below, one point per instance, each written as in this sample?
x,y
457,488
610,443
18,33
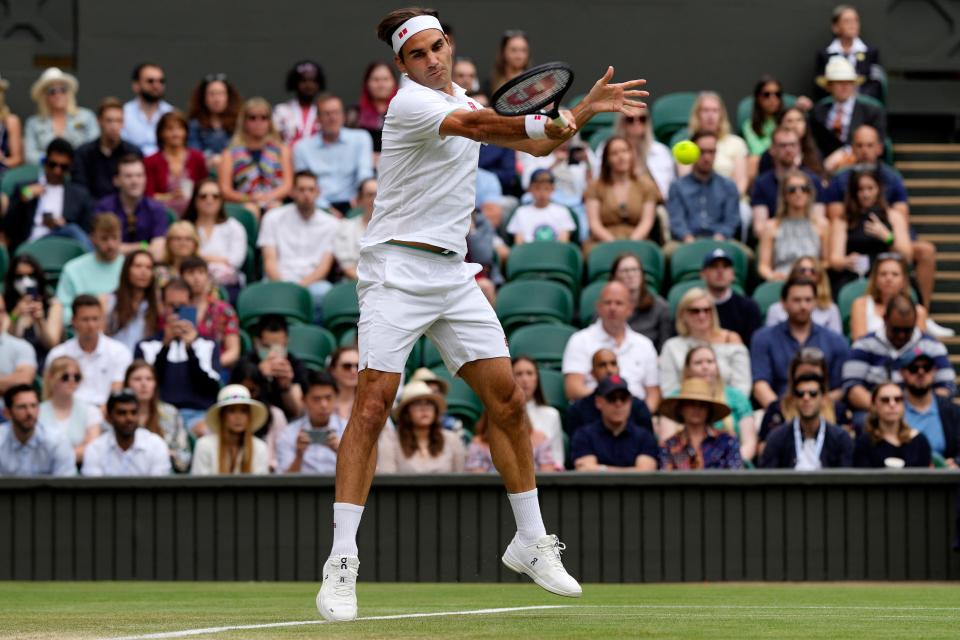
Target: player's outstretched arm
x,y
487,126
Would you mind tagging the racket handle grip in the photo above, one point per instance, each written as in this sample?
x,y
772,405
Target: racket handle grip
x,y
560,121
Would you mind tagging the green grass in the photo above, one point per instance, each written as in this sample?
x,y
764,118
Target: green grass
x,y
854,610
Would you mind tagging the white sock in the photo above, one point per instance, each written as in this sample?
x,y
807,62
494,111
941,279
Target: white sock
x,y
526,511
346,521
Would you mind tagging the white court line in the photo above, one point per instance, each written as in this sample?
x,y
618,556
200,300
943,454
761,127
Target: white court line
x,y
274,625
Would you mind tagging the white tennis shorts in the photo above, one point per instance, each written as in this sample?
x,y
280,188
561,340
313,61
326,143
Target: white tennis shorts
x,y
406,293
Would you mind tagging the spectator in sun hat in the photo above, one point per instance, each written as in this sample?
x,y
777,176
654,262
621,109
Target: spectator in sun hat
x,y
833,123
614,442
58,116
420,444
231,447
698,445
845,25
441,387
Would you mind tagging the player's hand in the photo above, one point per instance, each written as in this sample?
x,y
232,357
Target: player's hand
x,y
621,97
562,133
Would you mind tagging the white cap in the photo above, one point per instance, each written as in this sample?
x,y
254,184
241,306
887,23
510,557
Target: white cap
x,y
412,26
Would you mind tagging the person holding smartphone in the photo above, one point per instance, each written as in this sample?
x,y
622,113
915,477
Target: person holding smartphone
x,y
309,444
284,372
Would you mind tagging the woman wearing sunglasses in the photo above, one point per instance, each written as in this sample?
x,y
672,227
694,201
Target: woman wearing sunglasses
x,y
767,106
58,116
653,157
61,411
888,441
794,231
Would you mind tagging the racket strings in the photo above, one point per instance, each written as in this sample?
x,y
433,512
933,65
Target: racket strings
x,y
534,92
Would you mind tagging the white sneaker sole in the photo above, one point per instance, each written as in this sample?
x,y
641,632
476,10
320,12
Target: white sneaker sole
x,y
518,566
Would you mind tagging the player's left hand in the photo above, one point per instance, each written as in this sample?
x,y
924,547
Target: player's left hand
x,y
621,97
562,133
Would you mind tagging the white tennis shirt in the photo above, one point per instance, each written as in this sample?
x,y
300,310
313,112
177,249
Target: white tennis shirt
x,y
427,182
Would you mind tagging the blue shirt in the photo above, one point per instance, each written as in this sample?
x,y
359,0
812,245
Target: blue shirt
x,y
149,218
488,188
702,209
140,131
772,349
928,423
46,453
893,188
766,189
617,451
340,166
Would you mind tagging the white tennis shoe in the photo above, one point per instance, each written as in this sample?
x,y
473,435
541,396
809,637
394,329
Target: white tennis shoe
x,y
337,599
541,561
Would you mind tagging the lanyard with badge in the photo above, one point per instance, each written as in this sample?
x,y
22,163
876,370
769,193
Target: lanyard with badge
x,y
804,463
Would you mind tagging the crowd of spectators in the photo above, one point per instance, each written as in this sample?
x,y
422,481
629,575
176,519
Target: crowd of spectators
x,y
130,359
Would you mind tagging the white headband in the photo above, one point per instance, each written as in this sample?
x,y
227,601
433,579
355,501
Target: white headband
x,y
414,25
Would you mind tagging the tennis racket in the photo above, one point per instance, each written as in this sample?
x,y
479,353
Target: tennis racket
x,y
534,89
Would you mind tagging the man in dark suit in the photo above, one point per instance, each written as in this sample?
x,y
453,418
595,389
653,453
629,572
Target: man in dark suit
x,y
833,123
50,206
808,442
847,43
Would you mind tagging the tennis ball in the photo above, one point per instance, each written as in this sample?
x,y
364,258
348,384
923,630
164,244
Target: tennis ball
x,y
686,152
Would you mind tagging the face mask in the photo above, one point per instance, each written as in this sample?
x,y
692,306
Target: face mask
x,y
24,284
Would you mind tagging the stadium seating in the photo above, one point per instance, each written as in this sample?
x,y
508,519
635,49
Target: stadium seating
x,y
845,297
559,261
599,137
341,309
12,177
428,355
287,299
551,381
312,344
544,343
598,122
687,261
603,254
588,302
766,294
348,337
242,215
4,265
529,301
671,113
52,252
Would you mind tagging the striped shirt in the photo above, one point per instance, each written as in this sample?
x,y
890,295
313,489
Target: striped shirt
x,y
872,361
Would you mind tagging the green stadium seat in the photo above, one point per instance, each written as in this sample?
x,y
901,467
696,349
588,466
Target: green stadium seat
x,y
551,381
530,301
242,215
845,297
687,260
463,403
559,261
680,134
4,265
287,299
12,177
544,343
680,288
766,294
312,344
588,301
745,108
671,113
171,216
603,254
246,343
52,253
341,309
356,212
599,137
600,121
429,355
348,338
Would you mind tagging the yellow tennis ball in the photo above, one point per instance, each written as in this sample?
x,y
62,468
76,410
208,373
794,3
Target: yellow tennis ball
x,y
686,152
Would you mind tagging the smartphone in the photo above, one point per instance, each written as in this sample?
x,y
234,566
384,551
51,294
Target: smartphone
x,y
318,436
33,291
187,312
278,350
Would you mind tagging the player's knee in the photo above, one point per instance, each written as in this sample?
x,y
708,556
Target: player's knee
x,y
370,413
509,406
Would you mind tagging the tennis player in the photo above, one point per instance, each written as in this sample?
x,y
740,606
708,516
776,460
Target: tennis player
x,y
413,281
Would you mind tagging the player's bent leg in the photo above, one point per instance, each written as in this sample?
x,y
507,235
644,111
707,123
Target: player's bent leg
x,y
356,463
531,551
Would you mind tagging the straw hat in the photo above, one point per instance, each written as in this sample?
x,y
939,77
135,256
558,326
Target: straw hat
x,y
696,390
234,394
839,69
419,390
426,375
53,75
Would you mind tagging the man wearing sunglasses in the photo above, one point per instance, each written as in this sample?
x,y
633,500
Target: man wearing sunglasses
x,y
614,442
933,415
809,443
140,115
51,205
873,357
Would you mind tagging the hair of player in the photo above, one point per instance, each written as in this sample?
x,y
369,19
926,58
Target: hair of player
x,y
392,21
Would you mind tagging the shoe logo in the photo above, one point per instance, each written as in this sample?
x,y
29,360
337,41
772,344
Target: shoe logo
x,y
343,563
342,580
533,562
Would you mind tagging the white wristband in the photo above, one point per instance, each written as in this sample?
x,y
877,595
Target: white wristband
x,y
536,126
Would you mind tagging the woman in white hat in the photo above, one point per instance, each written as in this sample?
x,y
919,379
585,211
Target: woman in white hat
x,y
420,444
58,116
698,445
11,134
232,447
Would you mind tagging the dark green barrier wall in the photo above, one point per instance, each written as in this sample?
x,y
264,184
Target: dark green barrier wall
x,y
662,527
